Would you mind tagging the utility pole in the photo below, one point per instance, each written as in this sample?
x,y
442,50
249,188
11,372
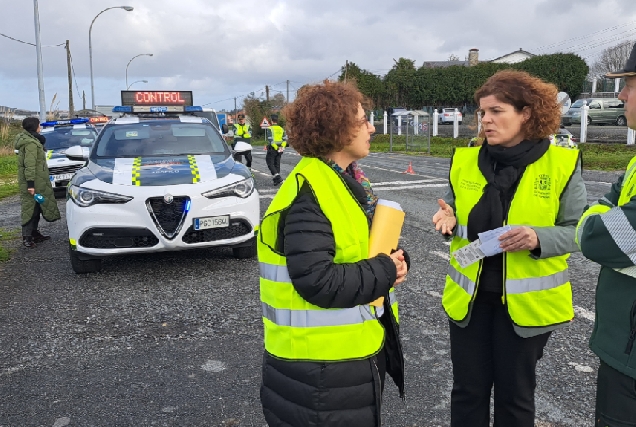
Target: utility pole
x,y
38,49
267,93
346,69
235,110
71,107
83,100
287,99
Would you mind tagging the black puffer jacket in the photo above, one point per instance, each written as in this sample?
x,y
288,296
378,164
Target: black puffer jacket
x,y
301,394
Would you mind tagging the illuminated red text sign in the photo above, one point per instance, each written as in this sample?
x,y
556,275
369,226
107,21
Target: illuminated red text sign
x,y
157,98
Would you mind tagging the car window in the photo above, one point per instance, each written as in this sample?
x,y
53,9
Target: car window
x,y
65,137
159,139
595,105
613,104
579,103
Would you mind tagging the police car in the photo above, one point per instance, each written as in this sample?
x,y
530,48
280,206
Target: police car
x,y
60,135
158,179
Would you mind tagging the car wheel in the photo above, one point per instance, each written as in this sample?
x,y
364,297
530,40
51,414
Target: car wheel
x,y
245,252
589,121
83,266
621,121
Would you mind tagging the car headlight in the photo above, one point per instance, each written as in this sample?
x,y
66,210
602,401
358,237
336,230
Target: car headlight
x,y
241,189
85,197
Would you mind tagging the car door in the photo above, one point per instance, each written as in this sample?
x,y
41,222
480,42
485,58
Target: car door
x,y
596,112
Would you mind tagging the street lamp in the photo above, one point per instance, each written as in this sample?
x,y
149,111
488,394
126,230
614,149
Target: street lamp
x,y
90,46
138,81
141,54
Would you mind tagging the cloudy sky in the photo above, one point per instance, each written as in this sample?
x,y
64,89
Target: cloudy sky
x,y
226,49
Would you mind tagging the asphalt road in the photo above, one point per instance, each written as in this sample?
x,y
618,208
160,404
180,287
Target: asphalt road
x,y
175,339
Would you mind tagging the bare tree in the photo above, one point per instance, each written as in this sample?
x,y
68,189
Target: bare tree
x,y
453,57
611,59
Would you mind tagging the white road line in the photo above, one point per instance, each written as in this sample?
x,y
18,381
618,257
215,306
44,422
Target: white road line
x,y
411,187
419,181
441,255
434,294
581,368
584,313
394,171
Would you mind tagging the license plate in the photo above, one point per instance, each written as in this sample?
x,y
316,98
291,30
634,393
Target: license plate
x,y
63,177
211,222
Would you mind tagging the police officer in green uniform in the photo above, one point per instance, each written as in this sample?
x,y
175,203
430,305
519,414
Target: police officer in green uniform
x,y
242,132
276,143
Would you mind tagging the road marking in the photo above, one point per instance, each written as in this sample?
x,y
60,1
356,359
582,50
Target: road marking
x,y
213,366
441,255
434,294
582,312
62,422
419,181
262,173
411,187
394,171
581,368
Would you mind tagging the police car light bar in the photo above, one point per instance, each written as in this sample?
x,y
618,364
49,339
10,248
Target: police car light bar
x,y
65,122
156,109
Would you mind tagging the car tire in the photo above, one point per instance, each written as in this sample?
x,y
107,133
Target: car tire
x,y
245,252
621,121
83,266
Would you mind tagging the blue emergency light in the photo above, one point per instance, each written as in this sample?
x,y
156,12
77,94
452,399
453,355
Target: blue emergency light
x,y
65,122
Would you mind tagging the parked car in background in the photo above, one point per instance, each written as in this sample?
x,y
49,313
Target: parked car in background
x,y
607,111
447,116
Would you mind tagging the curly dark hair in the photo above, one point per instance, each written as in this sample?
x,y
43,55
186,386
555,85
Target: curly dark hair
x,y
520,89
323,118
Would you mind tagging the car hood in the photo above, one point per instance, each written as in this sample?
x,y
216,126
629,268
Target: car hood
x,y
158,171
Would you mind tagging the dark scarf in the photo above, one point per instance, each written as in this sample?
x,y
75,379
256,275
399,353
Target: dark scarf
x,y
39,137
510,163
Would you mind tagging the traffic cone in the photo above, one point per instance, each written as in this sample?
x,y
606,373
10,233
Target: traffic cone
x,y
410,170
265,147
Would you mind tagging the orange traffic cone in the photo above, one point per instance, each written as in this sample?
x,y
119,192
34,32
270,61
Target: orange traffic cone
x,y
409,170
265,147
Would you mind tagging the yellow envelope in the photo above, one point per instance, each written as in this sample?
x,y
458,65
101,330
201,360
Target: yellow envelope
x,y
386,228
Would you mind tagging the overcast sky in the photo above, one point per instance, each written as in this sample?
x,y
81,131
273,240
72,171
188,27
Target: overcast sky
x,y
223,49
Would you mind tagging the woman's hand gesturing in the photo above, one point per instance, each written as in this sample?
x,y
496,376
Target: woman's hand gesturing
x,y
444,219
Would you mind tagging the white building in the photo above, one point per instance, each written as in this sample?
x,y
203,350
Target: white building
x,y
513,57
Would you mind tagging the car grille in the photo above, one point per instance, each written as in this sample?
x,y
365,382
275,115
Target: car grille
x,y
168,217
59,170
237,228
113,238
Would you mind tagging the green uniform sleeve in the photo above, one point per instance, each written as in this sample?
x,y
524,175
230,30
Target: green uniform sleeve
x,y
606,233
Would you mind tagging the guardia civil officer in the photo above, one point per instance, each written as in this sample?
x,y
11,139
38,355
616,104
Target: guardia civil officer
x,y
276,143
243,132
326,348
503,308
606,236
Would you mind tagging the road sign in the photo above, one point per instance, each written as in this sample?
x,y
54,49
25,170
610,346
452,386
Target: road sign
x,y
264,123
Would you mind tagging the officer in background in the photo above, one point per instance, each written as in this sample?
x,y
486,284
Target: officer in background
x,y
242,132
276,143
605,235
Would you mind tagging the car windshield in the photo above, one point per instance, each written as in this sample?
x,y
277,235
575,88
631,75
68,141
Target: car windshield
x,y
210,115
579,103
68,136
159,138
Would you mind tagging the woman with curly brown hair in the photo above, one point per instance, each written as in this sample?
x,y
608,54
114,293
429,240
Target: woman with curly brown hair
x,y
327,349
505,301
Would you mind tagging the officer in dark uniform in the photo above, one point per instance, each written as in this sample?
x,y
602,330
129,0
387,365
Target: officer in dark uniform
x,y
276,143
242,132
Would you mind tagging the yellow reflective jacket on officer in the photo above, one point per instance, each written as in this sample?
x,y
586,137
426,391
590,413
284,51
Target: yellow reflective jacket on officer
x,y
294,328
537,292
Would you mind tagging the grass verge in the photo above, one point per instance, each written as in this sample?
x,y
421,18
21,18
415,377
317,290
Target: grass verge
x,y
7,236
8,175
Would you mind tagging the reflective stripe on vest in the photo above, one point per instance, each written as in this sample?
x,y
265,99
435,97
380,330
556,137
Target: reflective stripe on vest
x,y
294,328
537,291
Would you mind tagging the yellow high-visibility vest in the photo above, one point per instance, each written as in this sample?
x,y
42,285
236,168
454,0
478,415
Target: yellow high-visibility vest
x,y
294,328
537,292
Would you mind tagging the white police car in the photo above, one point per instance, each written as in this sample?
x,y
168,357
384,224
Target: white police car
x,y
158,179
60,135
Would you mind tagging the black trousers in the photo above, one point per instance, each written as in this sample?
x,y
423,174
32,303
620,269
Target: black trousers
x,y
489,353
615,398
248,158
34,222
272,158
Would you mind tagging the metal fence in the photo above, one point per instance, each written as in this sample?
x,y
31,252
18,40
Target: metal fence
x,y
411,133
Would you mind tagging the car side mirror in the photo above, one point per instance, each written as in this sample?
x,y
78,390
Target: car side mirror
x,y
224,128
77,152
242,146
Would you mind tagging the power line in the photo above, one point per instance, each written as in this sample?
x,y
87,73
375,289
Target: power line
x,y
553,45
31,44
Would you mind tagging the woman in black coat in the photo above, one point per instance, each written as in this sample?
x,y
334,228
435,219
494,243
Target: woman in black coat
x,y
327,122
